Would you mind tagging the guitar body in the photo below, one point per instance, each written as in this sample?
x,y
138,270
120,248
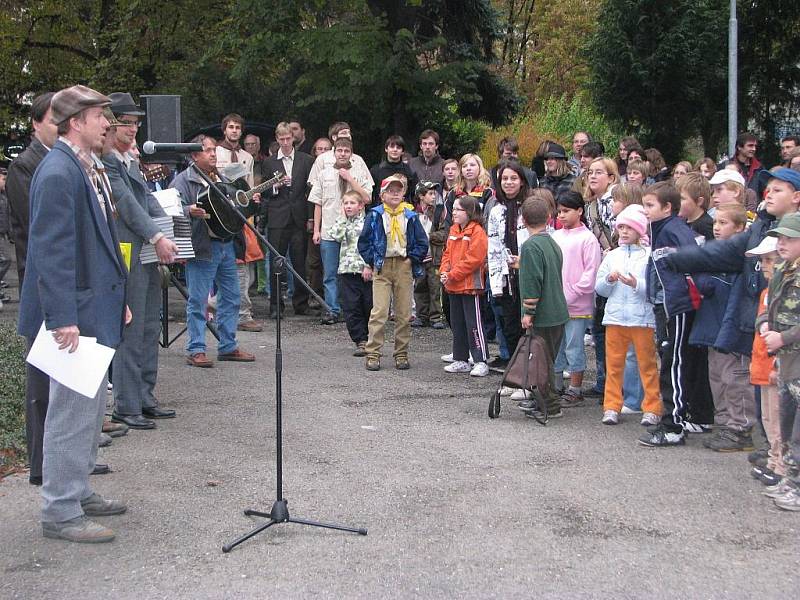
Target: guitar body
x,y
223,220
223,203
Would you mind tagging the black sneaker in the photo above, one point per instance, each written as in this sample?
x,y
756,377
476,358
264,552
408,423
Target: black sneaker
x,y
328,319
770,477
729,440
659,437
498,364
758,458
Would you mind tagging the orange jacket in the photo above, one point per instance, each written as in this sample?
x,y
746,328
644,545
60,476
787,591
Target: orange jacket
x,y
464,259
761,363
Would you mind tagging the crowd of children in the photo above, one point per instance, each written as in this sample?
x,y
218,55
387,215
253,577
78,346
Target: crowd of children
x,y
670,277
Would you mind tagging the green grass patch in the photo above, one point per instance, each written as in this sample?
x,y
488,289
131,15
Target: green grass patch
x,y
12,397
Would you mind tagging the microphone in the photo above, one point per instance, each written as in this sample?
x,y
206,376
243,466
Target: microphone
x,y
150,147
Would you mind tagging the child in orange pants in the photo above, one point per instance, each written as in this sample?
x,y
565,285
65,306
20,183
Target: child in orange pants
x,y
629,317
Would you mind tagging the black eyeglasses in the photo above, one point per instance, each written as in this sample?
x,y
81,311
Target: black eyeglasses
x,y
130,123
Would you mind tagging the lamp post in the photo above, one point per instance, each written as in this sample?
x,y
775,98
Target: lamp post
x,y
733,39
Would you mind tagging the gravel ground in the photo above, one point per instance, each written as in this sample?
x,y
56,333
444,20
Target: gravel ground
x,y
457,505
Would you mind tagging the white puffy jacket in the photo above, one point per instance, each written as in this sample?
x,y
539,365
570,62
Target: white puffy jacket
x,y
626,306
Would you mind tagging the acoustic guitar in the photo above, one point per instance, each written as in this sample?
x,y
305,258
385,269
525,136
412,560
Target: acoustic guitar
x,y
220,202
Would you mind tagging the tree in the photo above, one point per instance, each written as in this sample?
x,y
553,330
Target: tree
x,y
661,69
645,59
542,47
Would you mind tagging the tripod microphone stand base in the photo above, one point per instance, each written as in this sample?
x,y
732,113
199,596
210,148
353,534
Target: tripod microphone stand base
x,y
280,514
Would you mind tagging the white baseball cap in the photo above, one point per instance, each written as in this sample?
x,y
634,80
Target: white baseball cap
x,y
767,245
724,175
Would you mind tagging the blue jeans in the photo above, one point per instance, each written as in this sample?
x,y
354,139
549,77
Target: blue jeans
x,y
200,275
632,389
572,355
329,251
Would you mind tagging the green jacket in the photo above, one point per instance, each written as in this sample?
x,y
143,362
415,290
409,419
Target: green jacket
x,y
540,277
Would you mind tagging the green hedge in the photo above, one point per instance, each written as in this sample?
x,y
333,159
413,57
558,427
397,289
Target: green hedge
x,y
12,395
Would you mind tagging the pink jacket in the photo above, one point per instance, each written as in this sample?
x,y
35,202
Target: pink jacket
x,y
582,256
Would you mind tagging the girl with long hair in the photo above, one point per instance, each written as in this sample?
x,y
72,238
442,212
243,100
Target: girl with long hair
x,y
507,233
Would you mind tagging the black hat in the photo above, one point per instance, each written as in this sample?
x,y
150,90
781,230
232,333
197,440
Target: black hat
x,y
553,151
122,104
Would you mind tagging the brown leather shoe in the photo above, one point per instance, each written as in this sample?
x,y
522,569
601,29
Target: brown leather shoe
x,y
252,325
237,356
199,360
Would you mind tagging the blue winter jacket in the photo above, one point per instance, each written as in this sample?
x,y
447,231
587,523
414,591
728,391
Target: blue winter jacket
x,y
666,237
716,290
372,241
738,324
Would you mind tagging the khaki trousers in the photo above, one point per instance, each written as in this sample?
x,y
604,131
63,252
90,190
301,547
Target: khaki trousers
x,y
394,282
618,338
771,418
734,397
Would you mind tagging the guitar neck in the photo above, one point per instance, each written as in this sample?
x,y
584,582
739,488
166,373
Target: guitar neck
x,y
277,176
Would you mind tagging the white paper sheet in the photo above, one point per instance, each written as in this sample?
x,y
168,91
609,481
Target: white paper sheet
x,y
170,201
82,371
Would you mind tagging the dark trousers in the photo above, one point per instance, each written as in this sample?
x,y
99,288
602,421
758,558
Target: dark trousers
x,y
700,400
512,328
790,418
552,337
428,295
599,336
672,337
446,306
37,399
313,266
467,326
291,241
355,295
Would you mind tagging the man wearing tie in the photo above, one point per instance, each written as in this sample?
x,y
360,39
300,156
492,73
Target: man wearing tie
x,y
74,283
287,211
136,360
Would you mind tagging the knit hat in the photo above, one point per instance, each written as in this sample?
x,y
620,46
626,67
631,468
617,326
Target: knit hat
x,y
633,216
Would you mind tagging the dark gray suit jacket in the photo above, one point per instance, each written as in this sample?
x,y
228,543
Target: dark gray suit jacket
x,y
135,205
18,187
289,208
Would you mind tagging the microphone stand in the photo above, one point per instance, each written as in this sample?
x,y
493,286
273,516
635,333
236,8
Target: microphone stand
x,y
280,509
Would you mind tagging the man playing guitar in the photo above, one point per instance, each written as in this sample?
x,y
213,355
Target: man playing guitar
x,y
215,261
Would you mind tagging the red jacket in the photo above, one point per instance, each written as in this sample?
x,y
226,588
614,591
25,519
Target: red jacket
x,y
464,259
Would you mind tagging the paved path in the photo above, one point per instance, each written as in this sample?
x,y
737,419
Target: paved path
x,y
457,506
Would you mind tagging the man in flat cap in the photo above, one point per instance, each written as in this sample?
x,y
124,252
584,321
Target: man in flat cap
x,y
136,360
75,285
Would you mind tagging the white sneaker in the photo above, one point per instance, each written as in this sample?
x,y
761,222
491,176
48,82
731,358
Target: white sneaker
x,y
480,369
610,417
520,395
458,366
649,418
629,411
448,358
588,340
506,391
